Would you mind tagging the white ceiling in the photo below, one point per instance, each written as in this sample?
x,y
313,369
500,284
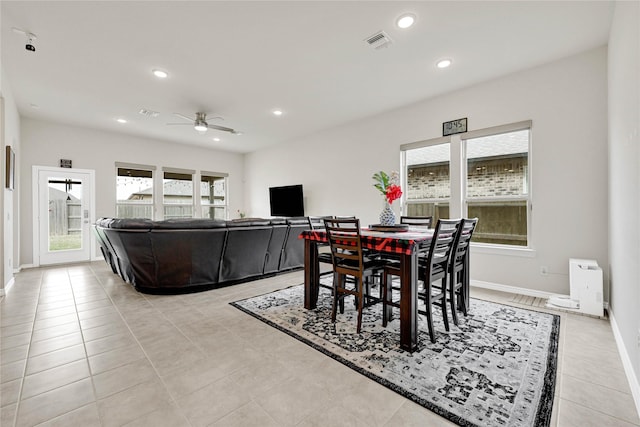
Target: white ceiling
x,y
241,60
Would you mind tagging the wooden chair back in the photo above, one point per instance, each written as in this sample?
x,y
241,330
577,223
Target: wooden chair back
x,y
346,246
442,244
462,245
417,221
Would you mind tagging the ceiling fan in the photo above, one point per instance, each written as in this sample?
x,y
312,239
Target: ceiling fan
x,y
200,123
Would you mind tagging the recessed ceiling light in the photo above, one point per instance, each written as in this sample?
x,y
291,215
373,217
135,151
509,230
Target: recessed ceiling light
x,y
216,139
121,120
277,112
161,74
406,20
443,63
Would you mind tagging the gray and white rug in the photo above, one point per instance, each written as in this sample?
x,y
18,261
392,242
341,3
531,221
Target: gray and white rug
x,y
498,368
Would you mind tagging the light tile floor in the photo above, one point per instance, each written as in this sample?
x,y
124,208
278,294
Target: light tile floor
x,y
79,347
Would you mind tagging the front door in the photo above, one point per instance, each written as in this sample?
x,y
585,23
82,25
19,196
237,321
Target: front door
x,y
64,215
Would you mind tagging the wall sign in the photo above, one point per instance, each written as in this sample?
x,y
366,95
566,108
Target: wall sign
x,y
454,126
65,163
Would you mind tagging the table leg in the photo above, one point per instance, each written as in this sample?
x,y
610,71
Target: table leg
x,y
409,302
311,274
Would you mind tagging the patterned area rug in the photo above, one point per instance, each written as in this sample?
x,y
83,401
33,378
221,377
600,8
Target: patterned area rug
x,y
498,368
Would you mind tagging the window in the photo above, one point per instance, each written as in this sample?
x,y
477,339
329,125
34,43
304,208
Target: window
x,y
134,191
213,195
177,193
497,187
428,186
483,173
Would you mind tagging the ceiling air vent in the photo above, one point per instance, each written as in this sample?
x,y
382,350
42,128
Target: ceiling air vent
x,y
148,113
378,40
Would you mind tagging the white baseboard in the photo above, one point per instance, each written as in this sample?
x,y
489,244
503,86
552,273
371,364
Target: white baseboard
x,y
626,362
8,286
22,266
510,289
517,290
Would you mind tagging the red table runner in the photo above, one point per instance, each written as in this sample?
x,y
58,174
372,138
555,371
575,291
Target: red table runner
x,y
397,243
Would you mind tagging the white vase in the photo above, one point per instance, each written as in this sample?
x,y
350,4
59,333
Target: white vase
x,y
387,216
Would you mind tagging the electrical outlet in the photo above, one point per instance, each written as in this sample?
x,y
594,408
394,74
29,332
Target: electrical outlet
x,y
544,270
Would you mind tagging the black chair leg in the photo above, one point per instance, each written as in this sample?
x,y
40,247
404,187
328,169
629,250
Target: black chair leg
x,y
453,300
430,322
342,280
360,298
336,297
443,304
385,295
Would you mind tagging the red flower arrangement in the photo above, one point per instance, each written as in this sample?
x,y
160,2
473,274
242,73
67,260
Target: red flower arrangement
x,y
388,185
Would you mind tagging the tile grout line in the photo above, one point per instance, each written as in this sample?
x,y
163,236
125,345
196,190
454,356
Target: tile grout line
x,y
600,412
155,370
84,345
26,361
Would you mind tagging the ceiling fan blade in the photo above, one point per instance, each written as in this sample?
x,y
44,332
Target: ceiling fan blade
x,y
222,128
182,116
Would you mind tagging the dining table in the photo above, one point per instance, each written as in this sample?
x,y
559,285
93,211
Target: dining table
x,y
404,245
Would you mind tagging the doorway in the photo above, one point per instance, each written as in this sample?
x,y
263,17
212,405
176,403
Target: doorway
x,y
63,214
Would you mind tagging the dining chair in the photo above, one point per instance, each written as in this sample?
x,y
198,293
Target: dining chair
x,y
458,269
324,257
348,261
432,271
417,221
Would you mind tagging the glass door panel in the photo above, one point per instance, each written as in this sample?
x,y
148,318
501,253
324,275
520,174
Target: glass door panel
x,y
64,203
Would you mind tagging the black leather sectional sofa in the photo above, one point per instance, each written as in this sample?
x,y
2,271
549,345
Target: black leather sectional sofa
x,y
189,255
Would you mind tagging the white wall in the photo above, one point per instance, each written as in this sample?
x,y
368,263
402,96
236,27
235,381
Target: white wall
x,y
567,102
624,178
45,143
10,206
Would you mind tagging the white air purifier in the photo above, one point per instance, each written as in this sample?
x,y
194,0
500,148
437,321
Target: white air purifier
x,y
585,282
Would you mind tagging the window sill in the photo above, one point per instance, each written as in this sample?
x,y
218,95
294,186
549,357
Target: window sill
x,y
481,248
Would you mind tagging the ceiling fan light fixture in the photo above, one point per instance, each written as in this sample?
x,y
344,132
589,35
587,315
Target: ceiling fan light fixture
x,y
200,127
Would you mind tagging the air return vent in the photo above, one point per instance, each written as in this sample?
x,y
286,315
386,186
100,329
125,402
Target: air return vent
x,y
378,40
148,113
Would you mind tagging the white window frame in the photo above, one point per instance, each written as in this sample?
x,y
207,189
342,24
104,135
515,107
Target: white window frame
x,y
152,169
498,130
200,206
404,175
458,182
190,172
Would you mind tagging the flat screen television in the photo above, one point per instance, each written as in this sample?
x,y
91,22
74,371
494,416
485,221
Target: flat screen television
x,y
286,201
